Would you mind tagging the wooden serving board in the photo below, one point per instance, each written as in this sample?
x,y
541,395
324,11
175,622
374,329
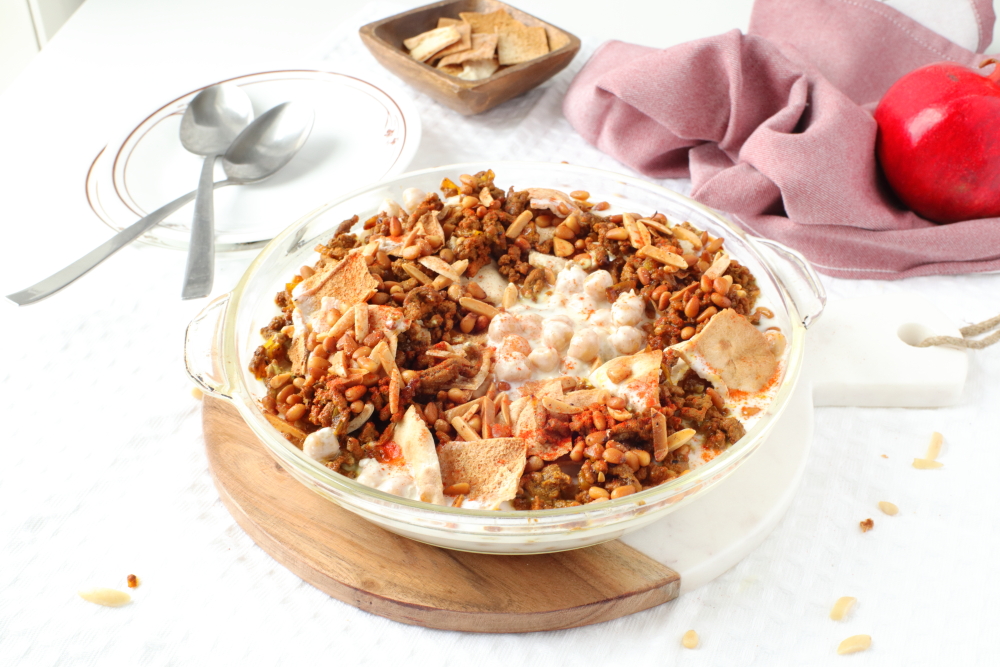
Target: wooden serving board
x,y
366,566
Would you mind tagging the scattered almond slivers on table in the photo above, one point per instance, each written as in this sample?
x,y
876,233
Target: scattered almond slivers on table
x,y
476,45
438,351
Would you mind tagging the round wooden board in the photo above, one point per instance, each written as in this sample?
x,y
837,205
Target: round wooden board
x,y
363,565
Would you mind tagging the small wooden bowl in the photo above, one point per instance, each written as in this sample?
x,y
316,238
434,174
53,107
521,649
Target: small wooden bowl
x,y
384,39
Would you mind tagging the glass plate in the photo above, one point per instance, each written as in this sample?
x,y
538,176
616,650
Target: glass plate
x,y
362,135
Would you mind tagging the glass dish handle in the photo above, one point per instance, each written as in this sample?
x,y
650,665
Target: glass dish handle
x,y
804,284
202,348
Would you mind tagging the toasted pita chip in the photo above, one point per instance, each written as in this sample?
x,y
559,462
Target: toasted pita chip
x,y
474,70
492,468
426,44
391,321
485,365
557,38
585,397
483,47
488,23
520,43
642,386
417,445
530,426
463,44
546,198
734,349
453,70
346,284
541,388
428,225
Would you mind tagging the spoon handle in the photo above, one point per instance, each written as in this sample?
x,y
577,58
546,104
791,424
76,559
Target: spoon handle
x,y
199,274
61,279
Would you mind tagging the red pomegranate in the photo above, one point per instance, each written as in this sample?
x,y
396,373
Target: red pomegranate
x,y
939,141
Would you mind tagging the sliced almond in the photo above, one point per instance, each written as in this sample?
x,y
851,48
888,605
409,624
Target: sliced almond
x,y
360,322
343,325
417,274
395,380
661,446
441,267
520,222
338,363
645,238
485,198
655,225
680,438
464,430
685,234
478,307
718,267
558,407
460,266
662,256
926,464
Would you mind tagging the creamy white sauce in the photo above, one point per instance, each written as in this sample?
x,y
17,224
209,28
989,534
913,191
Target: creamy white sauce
x,y
570,330
394,479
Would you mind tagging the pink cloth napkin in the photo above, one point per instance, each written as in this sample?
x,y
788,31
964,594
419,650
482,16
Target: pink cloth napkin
x,y
775,128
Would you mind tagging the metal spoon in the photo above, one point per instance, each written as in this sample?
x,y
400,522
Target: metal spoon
x,y
211,122
264,147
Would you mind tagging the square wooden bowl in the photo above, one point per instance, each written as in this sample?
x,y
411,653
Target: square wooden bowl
x,y
384,39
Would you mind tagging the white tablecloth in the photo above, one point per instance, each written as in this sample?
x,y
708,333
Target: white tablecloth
x,y
105,473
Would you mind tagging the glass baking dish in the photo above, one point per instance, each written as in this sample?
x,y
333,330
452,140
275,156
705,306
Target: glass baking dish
x,y
221,341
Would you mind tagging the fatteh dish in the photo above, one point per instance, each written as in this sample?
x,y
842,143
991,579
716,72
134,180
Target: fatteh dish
x,y
525,349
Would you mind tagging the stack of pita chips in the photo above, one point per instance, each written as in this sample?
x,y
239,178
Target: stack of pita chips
x,y
477,45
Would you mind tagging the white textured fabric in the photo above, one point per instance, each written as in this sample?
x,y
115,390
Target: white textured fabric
x,y
104,474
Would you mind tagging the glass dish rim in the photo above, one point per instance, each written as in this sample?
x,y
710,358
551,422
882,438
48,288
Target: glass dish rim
x,y
281,448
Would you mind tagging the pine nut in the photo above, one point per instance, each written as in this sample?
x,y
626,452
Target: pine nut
x,y
686,333
616,403
462,488
475,291
535,463
706,314
598,492
632,460
623,491
596,438
613,456
618,374
509,295
279,381
562,248
690,639
714,245
841,608
295,413
721,301
854,644
692,307
565,233
356,392
581,195
468,323
543,221
410,252
108,597
458,396
617,234
888,508
644,457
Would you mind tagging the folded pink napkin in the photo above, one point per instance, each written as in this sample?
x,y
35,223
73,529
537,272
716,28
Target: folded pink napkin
x,y
775,128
